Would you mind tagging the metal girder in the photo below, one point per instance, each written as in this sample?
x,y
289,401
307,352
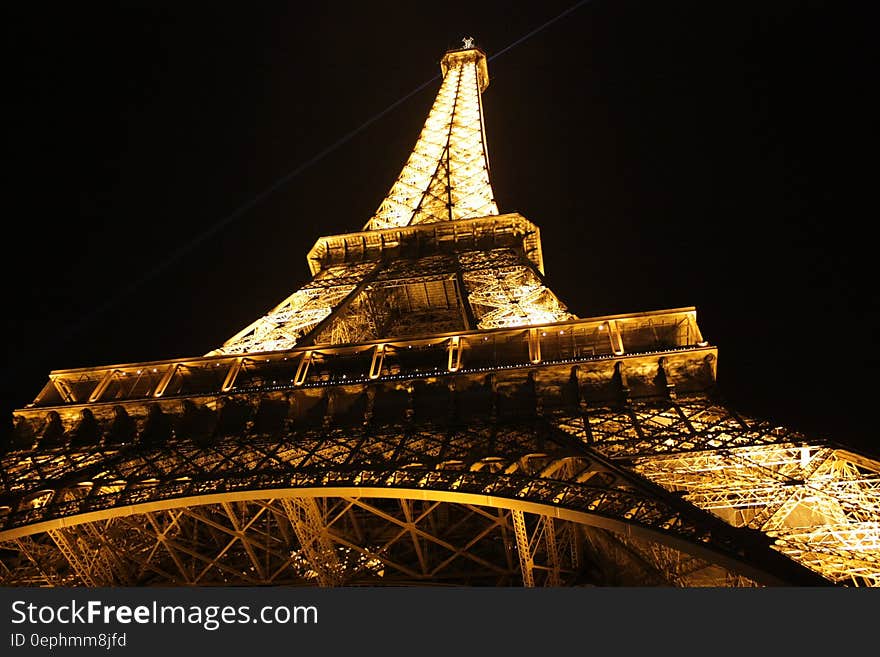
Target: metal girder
x,y
86,566
508,295
794,493
627,560
756,476
255,543
553,562
308,523
37,567
523,548
289,322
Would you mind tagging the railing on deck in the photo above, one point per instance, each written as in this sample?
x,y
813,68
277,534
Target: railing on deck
x,y
319,365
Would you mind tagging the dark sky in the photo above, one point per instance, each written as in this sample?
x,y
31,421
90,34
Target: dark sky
x,y
672,153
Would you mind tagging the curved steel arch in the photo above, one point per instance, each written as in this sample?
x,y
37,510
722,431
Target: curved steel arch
x,y
707,549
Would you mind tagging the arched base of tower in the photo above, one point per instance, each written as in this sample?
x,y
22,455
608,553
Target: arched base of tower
x,y
347,541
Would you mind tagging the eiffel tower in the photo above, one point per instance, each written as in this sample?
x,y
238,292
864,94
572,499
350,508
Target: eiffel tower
x,y
426,411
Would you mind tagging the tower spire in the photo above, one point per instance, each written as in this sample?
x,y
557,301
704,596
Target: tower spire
x,y
418,267
446,178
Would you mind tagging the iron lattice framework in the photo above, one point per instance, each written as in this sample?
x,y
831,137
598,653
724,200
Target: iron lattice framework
x,y
426,411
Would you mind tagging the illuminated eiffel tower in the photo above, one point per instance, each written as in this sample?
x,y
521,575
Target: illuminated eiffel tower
x,y
427,411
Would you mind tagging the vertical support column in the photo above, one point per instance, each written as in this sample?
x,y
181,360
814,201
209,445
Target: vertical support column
x,y
106,556
534,346
308,524
454,349
74,557
378,359
572,533
28,548
470,321
526,563
552,552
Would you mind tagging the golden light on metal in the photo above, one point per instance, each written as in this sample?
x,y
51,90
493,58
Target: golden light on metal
x,y
819,505
447,175
446,179
426,411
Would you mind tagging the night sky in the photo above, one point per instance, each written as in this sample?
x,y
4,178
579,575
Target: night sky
x,y
673,154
